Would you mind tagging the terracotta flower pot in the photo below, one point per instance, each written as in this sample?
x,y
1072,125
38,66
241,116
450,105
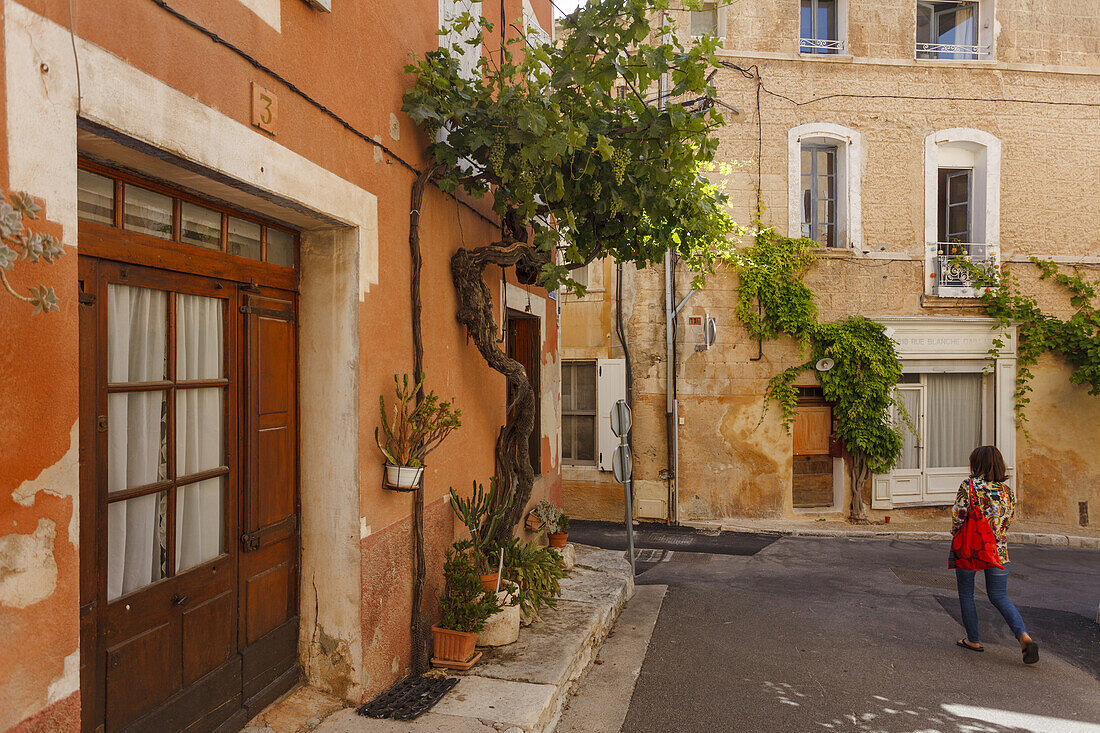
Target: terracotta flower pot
x,y
558,540
489,581
455,646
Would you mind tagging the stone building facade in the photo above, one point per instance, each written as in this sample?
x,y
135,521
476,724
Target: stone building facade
x,y
231,182
886,130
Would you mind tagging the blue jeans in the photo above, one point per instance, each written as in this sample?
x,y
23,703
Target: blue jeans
x,y
996,587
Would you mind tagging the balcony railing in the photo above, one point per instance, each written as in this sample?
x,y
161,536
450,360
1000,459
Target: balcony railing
x,y
951,51
943,264
819,45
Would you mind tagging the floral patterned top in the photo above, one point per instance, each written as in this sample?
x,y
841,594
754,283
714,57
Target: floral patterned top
x,y
999,504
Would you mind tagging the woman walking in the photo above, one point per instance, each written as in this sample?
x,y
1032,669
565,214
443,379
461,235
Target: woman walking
x,y
988,493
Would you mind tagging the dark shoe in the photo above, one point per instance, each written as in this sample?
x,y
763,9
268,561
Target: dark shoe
x,y
1031,653
965,644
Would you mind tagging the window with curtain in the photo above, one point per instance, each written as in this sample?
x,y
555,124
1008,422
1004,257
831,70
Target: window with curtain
x,y
704,22
954,415
139,442
947,30
578,412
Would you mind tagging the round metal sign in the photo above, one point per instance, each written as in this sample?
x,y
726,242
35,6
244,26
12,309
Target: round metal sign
x,y
622,464
621,419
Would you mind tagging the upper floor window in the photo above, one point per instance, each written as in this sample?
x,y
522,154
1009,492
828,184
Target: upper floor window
x,y
820,23
819,193
708,19
951,30
954,205
962,200
825,165
704,22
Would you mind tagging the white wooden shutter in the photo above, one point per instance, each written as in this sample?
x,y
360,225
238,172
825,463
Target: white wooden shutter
x,y
610,388
468,55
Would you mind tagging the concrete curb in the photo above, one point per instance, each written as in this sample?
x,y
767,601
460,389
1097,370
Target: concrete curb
x,y
1020,538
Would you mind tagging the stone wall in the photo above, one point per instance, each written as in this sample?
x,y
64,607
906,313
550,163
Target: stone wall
x,y
1038,96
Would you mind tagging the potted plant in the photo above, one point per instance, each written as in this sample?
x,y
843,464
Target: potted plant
x,y
414,431
555,521
533,571
464,608
482,520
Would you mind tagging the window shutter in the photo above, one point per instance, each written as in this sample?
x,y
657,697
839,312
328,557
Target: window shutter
x,y
610,388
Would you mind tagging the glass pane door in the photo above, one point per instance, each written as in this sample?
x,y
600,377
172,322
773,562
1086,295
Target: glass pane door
x,y
166,414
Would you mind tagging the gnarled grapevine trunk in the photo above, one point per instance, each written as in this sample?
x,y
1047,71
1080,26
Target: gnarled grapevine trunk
x,y
859,473
515,476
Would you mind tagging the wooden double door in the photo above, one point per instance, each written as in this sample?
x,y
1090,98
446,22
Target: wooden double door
x,y
189,501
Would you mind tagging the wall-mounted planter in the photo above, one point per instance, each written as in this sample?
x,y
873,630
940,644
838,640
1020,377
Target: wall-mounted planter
x,y
533,523
402,478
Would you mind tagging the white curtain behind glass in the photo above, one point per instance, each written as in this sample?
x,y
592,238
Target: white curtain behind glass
x,y
199,434
910,451
954,418
136,339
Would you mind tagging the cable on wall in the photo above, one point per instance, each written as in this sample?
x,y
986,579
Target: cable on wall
x,y
255,63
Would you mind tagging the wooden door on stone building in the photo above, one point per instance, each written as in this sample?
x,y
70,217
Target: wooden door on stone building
x,y
812,485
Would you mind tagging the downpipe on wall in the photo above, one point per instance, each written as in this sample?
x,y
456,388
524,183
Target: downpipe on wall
x,y
671,406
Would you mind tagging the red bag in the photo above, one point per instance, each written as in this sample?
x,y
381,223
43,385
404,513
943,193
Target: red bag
x,y
974,546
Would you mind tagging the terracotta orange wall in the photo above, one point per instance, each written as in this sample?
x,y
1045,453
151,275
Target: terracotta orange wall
x,y
350,61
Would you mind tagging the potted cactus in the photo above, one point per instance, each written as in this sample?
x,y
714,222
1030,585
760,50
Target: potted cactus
x,y
555,522
414,431
464,607
482,520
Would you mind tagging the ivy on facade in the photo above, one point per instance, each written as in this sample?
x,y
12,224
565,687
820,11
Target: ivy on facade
x,y
773,301
1075,339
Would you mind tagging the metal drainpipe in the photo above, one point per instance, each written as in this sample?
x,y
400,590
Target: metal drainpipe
x,y
672,413
672,431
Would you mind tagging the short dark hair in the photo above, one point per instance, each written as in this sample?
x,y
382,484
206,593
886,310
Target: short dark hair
x,y
986,462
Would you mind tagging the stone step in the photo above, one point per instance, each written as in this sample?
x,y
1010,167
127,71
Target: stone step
x,y
523,687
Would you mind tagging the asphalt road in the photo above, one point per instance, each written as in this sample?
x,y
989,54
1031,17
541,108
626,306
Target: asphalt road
x,y
824,634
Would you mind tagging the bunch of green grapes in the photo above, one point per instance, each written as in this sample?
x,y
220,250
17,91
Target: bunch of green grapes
x,y
496,153
597,189
618,164
616,206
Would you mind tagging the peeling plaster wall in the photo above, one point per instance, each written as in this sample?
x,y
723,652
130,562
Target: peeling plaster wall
x,y
735,456
355,326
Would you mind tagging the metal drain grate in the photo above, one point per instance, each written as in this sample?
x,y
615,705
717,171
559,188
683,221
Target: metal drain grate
x,y
652,556
410,698
692,557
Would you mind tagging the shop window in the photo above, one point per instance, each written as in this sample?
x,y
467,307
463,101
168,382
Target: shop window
x,y
820,27
578,412
946,415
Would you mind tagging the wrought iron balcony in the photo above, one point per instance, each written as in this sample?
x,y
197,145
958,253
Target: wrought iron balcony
x,y
819,45
956,51
946,276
